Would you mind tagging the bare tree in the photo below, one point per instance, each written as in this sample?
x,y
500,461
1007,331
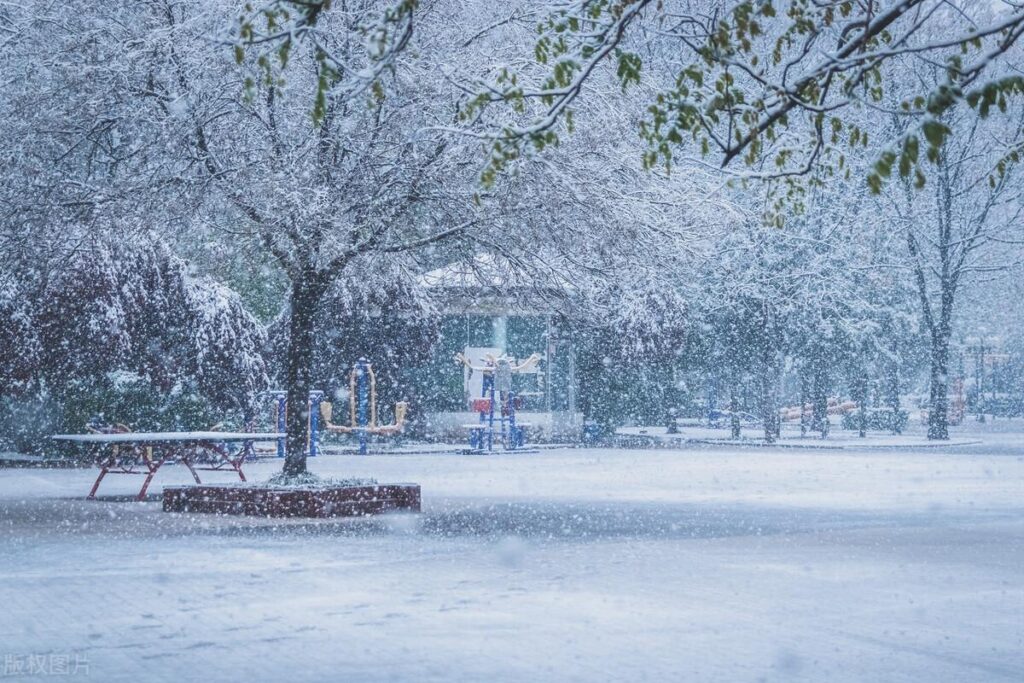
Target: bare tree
x,y
954,233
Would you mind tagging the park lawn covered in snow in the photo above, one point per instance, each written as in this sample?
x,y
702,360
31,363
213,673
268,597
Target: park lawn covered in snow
x,y
696,564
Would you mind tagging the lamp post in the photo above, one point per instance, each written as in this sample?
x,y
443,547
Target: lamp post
x,y
996,358
977,345
980,380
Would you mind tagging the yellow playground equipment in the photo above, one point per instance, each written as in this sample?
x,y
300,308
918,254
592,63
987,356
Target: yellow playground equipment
x,y
362,408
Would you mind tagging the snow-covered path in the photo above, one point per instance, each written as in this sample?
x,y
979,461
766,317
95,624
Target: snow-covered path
x,y
565,565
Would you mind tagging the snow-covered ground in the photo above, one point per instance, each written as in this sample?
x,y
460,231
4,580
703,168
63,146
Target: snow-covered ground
x,y
752,435
706,563
692,431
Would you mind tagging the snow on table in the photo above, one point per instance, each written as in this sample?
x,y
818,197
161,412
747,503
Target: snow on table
x,y
567,565
145,438
146,452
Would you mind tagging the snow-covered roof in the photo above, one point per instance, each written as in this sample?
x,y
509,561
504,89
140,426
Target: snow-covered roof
x,y
496,285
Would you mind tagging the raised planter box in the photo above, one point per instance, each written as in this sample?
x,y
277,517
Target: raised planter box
x,y
258,501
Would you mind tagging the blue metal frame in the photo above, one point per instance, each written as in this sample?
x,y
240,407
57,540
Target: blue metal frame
x,y
281,401
515,433
315,399
362,370
281,397
483,438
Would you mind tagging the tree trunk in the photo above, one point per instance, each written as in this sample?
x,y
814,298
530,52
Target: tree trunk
x,y
979,382
769,377
712,399
734,406
803,403
305,300
938,403
769,405
819,400
893,398
670,401
862,405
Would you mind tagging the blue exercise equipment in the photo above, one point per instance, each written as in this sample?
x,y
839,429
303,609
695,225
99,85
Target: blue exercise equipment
x,y
497,402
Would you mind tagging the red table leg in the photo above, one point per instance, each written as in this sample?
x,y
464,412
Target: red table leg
x,y
104,468
225,455
237,464
153,465
186,458
155,456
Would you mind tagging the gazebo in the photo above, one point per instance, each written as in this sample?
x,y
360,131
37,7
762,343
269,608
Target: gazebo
x,y
491,305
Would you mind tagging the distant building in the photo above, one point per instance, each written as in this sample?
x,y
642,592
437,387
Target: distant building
x,y
489,306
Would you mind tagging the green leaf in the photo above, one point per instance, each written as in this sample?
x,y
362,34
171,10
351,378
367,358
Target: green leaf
x,y
934,132
910,148
883,167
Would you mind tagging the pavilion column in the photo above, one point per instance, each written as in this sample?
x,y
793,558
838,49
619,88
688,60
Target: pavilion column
x,y
500,337
560,384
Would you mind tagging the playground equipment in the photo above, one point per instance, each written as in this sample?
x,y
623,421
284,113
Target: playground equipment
x,y
835,407
280,418
362,405
497,386
362,412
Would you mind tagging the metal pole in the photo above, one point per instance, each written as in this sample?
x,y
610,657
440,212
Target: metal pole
x,y
980,380
490,414
513,435
282,413
315,398
362,401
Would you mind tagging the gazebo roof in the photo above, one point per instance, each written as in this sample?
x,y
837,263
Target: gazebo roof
x,y
492,284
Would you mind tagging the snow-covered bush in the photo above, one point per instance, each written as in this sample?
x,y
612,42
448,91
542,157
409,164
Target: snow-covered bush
x,y
127,331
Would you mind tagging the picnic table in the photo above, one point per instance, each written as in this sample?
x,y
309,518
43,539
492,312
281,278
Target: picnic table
x,y
146,452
